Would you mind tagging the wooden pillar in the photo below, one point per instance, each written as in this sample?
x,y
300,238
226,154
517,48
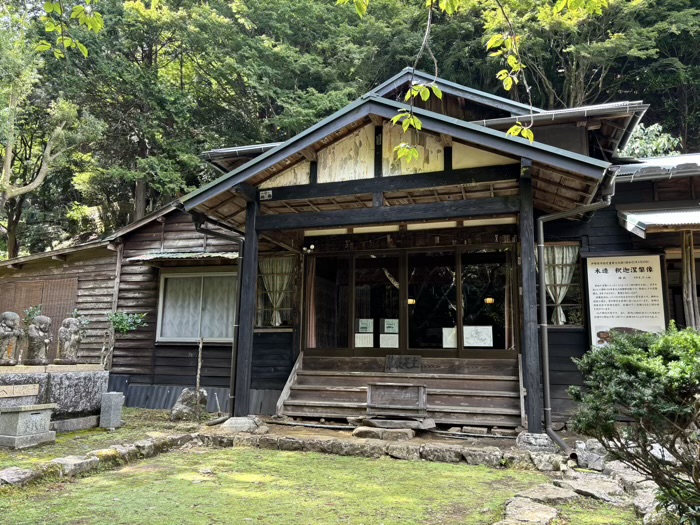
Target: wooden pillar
x,y
689,281
531,362
246,304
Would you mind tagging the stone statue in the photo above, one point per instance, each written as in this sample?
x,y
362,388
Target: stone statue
x,y
10,332
68,342
39,336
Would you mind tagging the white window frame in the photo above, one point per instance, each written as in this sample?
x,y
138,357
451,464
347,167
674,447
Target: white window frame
x,y
161,305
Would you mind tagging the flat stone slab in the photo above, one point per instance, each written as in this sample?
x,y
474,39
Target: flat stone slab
x,y
387,434
630,479
548,494
404,451
31,440
604,490
523,510
240,424
74,368
425,424
21,369
489,456
28,408
16,476
441,453
536,443
73,465
76,423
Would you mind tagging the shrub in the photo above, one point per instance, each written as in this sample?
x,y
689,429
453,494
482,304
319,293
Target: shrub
x,y
642,401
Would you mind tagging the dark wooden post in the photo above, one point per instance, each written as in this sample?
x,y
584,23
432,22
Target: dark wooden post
x,y
246,306
532,365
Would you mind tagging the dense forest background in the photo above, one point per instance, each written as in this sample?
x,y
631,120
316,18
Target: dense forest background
x,y
165,80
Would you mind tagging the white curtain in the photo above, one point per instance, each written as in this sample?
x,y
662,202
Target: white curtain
x,y
218,306
181,300
560,261
276,273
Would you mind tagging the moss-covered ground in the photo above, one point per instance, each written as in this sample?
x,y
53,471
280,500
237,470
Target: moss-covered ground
x,y
138,424
254,486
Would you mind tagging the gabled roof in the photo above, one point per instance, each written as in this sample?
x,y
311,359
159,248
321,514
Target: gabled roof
x,y
226,159
660,168
451,88
371,104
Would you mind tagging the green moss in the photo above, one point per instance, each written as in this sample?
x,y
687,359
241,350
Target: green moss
x,y
245,485
591,512
139,424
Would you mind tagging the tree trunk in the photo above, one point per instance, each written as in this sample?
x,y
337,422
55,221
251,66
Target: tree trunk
x,y
140,199
13,209
689,281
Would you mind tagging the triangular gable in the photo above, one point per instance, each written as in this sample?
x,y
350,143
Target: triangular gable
x,y
400,82
360,110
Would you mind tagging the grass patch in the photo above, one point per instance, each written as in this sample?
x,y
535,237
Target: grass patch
x,y
139,422
252,486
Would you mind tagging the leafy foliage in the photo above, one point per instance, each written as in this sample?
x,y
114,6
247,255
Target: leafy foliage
x,y
652,381
30,314
123,323
651,141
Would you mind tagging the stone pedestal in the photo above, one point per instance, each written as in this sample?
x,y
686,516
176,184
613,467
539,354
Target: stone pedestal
x,y
26,426
111,411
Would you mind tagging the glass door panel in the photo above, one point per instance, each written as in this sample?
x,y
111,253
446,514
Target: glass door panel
x,y
432,300
487,302
376,323
328,312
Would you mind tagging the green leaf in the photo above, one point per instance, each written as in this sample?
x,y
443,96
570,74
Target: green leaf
x,y
48,7
559,6
361,7
495,41
512,61
58,54
49,26
507,83
514,130
78,10
528,134
437,91
42,46
82,49
424,93
502,74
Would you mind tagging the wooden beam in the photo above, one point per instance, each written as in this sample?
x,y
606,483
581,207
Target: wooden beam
x,y
15,266
394,183
448,157
383,215
247,294
60,257
309,154
313,172
378,151
532,368
247,191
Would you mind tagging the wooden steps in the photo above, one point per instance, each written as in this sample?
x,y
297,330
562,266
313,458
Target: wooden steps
x,y
486,393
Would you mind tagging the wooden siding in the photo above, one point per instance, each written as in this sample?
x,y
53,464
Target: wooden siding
x,y
136,354
297,174
464,156
430,149
350,158
83,281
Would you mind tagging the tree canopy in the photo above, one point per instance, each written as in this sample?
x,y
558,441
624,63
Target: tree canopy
x,y
113,129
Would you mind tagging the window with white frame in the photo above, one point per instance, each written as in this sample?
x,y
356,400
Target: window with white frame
x,y
197,306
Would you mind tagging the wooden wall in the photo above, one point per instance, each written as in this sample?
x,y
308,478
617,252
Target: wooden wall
x,y
83,281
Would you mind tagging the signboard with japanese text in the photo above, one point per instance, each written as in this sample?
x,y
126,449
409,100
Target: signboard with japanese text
x,y
625,294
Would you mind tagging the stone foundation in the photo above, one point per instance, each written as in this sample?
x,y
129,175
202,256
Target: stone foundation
x,y
27,426
75,389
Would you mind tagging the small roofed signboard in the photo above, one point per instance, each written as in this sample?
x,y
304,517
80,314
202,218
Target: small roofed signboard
x,y
625,294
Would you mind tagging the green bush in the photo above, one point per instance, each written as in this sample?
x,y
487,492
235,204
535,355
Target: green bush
x,y
642,401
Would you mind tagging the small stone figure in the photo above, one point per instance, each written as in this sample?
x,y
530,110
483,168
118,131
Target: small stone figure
x,y
9,334
39,337
68,342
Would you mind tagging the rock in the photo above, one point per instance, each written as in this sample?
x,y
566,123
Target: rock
x,y
645,502
481,431
662,454
504,432
441,453
179,440
290,443
455,430
111,410
262,430
369,448
489,456
75,423
558,426
536,442
387,434
240,424
126,452
404,451
185,405
522,510
593,487
546,462
269,442
146,448
368,433
591,454
71,466
548,494
17,476
626,475
246,440
321,446
425,424
355,421
519,459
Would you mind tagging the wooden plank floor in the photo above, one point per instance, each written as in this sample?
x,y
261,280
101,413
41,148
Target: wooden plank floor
x,y
480,392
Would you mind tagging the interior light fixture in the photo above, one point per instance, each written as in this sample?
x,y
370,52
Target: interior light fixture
x,y
411,300
489,300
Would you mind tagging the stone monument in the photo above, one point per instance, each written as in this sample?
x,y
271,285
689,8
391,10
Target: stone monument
x,y
39,339
69,338
10,332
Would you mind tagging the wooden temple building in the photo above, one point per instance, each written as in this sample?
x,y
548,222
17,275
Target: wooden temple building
x,y
355,271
